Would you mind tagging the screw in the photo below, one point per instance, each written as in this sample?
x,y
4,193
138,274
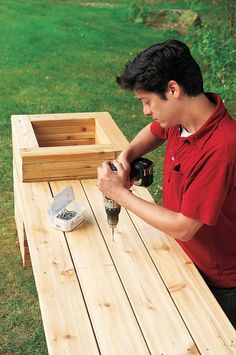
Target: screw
x,y
66,215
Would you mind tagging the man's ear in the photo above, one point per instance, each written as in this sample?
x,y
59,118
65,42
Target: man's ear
x,y
173,89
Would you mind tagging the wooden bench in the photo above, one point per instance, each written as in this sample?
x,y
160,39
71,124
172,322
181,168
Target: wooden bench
x,y
138,295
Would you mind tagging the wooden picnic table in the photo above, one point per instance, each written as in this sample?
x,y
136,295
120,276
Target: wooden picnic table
x,y
140,294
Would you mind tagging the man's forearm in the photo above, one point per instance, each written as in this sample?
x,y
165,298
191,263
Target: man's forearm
x,y
172,223
143,143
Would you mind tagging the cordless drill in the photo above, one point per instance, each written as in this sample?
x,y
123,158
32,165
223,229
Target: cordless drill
x,y
141,172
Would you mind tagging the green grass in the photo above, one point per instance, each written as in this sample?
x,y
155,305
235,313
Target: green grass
x,y
63,56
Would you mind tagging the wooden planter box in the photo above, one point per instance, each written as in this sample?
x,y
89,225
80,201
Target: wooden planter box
x,y
64,146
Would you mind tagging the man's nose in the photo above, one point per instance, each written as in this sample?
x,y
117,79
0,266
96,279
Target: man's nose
x,y
147,111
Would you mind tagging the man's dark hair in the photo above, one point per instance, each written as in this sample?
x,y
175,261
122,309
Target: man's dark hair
x,y
152,69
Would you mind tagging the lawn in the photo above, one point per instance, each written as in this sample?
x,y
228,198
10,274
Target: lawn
x,y
64,56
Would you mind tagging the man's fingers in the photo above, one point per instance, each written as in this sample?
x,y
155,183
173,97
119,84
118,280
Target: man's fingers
x,y
99,171
106,167
104,170
118,165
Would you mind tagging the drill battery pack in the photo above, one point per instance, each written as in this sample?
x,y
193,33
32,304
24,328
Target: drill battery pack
x,y
142,172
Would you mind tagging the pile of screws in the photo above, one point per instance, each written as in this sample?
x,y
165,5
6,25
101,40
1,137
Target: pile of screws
x,y
66,215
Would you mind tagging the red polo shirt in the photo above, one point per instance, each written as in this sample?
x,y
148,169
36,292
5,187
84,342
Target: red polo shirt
x,y
200,182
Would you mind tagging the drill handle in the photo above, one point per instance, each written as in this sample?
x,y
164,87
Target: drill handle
x,y
112,166
141,171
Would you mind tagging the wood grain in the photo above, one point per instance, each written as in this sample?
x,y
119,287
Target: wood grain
x,y
66,322
151,302
207,323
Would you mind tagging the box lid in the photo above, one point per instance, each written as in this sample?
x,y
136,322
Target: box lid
x,y
62,199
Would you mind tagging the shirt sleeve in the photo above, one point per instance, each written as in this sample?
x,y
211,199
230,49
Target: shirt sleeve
x,y
207,189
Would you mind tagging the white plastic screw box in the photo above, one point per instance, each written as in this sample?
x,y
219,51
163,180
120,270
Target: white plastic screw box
x,y
65,213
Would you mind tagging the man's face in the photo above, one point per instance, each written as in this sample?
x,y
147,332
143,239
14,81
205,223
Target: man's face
x,y
163,111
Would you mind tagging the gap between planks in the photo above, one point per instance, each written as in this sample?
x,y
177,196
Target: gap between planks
x,y
114,323
147,295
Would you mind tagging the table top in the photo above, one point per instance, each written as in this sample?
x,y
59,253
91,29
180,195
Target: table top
x,y
137,295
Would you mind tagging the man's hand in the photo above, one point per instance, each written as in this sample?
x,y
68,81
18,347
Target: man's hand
x,y
112,183
123,159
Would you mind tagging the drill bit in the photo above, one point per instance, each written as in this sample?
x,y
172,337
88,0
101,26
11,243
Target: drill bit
x,y
112,233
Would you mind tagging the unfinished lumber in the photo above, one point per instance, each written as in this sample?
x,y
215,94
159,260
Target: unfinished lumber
x,y
111,130
23,132
151,302
207,323
64,132
23,137
58,163
66,322
20,228
100,135
109,308
64,146
138,295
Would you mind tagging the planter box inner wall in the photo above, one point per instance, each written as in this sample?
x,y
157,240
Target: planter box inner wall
x,y
64,132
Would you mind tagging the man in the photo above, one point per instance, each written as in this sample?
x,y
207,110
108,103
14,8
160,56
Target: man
x,y
199,189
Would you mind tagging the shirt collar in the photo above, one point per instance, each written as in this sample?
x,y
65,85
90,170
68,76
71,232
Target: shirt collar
x,y
206,130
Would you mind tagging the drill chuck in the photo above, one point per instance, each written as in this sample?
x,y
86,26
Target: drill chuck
x,y
112,209
141,173
112,221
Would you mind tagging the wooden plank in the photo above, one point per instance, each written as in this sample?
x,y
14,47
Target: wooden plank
x,y
73,130
69,170
112,131
66,322
67,136
210,328
47,122
112,317
51,164
66,115
17,158
23,244
24,250
22,137
48,173
42,130
100,136
69,165
150,300
54,176
66,142
115,326
84,151
23,132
